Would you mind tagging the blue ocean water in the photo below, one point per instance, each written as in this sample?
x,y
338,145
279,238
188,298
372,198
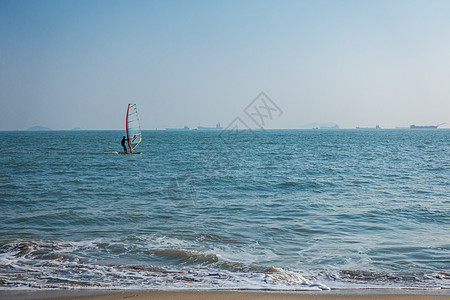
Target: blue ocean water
x,y
273,209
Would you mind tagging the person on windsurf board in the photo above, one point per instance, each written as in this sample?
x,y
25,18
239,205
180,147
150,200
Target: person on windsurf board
x,y
123,144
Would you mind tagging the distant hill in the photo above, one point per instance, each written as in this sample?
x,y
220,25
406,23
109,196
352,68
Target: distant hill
x,y
38,128
76,128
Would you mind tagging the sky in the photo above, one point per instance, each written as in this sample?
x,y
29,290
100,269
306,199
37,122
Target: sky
x,y
67,64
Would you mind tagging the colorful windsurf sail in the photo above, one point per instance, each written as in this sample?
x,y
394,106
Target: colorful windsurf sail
x,y
134,134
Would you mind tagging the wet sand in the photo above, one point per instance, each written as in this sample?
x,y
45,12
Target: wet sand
x,y
225,295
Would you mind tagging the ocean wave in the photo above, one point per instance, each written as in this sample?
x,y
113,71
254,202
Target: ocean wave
x,y
69,264
38,264
187,256
372,279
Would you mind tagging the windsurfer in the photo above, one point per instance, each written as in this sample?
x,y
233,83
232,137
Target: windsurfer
x,y
123,144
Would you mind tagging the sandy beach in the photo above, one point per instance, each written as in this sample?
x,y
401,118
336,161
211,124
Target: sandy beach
x,y
223,295
226,295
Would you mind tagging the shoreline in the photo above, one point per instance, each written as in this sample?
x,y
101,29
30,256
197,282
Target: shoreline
x,y
111,294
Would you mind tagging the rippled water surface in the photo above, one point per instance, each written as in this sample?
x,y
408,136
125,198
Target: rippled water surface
x,y
300,210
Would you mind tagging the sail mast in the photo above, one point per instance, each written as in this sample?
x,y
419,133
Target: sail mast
x,y
126,126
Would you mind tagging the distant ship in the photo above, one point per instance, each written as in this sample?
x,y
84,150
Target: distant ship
x,y
329,127
178,129
426,126
218,127
376,127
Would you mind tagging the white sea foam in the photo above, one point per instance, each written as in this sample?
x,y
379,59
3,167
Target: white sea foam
x,y
29,267
64,265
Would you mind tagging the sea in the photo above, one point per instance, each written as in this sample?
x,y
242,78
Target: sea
x,y
281,210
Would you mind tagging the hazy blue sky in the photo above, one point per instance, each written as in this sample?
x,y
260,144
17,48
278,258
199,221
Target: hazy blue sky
x,y
66,64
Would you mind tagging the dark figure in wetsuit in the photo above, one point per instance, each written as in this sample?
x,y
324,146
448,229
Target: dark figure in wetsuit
x,y
123,144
